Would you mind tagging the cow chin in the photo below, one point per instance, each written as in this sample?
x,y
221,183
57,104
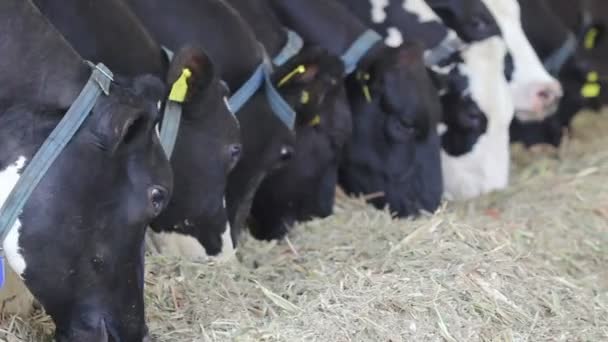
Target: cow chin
x,y
92,327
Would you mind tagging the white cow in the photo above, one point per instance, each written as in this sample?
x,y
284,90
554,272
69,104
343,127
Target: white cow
x,y
535,92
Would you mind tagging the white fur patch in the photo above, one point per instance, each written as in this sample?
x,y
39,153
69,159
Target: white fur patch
x,y
486,167
394,37
8,179
421,9
529,76
378,12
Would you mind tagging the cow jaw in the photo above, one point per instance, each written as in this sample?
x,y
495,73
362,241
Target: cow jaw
x,y
176,243
486,167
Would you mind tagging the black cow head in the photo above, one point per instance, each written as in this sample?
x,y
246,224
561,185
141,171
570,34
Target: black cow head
x,y
80,236
465,122
268,145
207,149
471,19
394,152
305,188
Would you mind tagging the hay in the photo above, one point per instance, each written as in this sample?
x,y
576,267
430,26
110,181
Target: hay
x,y
526,264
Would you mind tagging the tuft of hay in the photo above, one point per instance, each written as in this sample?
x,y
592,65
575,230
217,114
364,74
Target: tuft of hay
x,y
525,264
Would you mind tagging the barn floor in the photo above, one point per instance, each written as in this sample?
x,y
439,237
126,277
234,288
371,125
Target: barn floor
x,y
527,264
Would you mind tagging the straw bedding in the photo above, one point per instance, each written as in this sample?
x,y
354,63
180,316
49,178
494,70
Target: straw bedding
x,y
526,264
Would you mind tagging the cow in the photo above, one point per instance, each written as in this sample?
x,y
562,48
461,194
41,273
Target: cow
x,y
77,242
207,146
393,155
305,187
470,167
558,51
485,61
535,92
414,19
268,143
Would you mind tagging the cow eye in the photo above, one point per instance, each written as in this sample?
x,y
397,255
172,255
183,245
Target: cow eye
x,y
400,129
479,24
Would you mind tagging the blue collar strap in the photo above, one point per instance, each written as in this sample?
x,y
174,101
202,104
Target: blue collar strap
x,y
262,77
240,97
446,49
279,106
98,83
292,47
359,49
171,119
556,61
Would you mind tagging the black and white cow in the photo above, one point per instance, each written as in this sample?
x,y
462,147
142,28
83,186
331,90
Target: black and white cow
x,y
474,58
208,141
78,243
558,51
305,187
268,144
394,152
535,92
474,158
412,20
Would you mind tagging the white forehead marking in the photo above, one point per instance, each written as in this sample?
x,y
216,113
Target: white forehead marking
x,y
378,10
8,179
421,9
394,38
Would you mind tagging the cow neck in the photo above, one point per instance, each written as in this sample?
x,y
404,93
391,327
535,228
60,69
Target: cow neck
x,y
263,22
325,23
50,79
92,27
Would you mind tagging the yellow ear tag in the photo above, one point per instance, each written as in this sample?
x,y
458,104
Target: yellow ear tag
x,y
364,76
305,97
180,87
316,121
367,93
299,70
591,90
593,76
590,38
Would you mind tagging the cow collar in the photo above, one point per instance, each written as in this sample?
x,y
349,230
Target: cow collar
x,y
99,82
556,61
292,47
359,49
261,77
437,56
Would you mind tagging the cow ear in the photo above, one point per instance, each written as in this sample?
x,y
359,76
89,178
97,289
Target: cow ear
x,y
190,72
307,67
119,124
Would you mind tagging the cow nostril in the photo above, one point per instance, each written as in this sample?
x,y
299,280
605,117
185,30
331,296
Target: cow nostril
x,y
286,153
235,151
157,197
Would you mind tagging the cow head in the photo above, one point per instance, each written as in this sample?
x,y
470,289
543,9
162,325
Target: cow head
x,y
305,188
195,223
78,243
464,121
486,168
268,145
393,155
469,18
536,94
